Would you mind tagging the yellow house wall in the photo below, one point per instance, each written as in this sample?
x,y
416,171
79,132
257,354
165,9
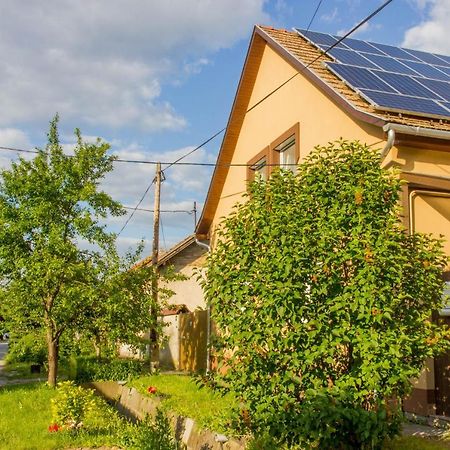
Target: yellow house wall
x,y
188,292
299,101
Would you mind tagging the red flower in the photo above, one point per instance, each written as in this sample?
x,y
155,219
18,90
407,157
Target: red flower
x,y
53,428
151,390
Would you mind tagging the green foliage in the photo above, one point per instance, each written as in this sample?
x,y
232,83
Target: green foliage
x,y
71,405
150,434
183,395
27,348
323,301
60,272
25,417
48,205
93,369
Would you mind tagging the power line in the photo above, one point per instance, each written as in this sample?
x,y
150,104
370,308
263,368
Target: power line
x,y
135,209
360,24
162,210
162,233
195,149
149,162
314,15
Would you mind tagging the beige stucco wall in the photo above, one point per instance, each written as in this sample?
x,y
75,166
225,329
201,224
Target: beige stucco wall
x,y
169,354
299,101
188,292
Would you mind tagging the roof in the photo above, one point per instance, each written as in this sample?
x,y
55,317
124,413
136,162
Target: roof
x,y
302,52
166,256
299,52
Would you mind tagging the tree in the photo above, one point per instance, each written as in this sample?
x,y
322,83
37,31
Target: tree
x,y
48,207
323,301
120,313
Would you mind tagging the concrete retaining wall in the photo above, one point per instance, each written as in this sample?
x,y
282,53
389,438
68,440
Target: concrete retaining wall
x,y
135,405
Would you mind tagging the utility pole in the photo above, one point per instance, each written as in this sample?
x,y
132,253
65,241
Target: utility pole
x,y
153,346
195,215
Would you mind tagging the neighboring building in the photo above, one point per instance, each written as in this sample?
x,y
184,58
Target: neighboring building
x,y
185,317
391,98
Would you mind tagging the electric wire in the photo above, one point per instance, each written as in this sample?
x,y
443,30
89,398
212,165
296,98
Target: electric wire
x,y
314,16
177,161
161,210
135,209
162,233
144,161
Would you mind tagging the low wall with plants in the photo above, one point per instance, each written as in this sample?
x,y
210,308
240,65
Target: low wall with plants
x,y
135,405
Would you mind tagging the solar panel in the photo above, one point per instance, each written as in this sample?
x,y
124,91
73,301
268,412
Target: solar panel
x,y
391,78
445,69
428,58
361,46
445,58
396,102
390,64
406,85
360,78
446,105
440,87
395,52
427,71
318,38
351,57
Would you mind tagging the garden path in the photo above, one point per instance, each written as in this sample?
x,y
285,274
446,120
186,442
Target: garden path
x,y
3,350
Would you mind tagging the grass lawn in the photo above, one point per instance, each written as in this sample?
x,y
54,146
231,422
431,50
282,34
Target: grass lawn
x,y
25,416
182,395
417,443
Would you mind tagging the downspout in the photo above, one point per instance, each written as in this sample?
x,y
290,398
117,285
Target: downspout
x,y
208,318
445,311
389,143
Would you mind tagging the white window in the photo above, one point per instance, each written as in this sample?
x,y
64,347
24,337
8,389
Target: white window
x,y
260,169
445,311
287,154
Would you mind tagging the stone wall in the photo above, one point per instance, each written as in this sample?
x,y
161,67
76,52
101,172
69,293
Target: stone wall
x,y
135,405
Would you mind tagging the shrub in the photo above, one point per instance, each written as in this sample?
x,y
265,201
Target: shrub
x,y
323,302
29,348
93,369
71,404
150,434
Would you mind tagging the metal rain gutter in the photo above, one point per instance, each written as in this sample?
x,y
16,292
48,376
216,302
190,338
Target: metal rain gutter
x,y
417,131
208,318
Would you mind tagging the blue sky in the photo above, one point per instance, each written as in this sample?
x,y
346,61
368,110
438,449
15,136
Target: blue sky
x,y
156,78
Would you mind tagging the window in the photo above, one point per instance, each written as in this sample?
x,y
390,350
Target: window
x,y
260,169
287,154
284,152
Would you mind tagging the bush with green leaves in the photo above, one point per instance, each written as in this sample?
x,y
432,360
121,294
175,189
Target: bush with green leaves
x,y
29,347
323,301
150,434
94,369
71,405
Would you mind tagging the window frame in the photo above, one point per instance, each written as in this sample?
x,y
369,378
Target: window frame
x,y
272,155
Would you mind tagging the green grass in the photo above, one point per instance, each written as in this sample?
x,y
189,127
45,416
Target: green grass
x,y
22,371
180,394
416,443
25,416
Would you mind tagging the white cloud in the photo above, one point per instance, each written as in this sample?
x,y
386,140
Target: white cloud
x,y
103,62
431,34
15,138
365,28
330,17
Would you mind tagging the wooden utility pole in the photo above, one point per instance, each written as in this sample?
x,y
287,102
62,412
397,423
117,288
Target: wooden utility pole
x,y
154,348
195,215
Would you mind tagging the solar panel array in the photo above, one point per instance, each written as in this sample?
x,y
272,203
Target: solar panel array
x,y
390,78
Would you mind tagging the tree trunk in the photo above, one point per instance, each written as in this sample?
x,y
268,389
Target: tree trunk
x,y
97,347
53,347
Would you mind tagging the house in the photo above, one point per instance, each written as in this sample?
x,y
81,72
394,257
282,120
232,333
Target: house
x,y
185,317
292,96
